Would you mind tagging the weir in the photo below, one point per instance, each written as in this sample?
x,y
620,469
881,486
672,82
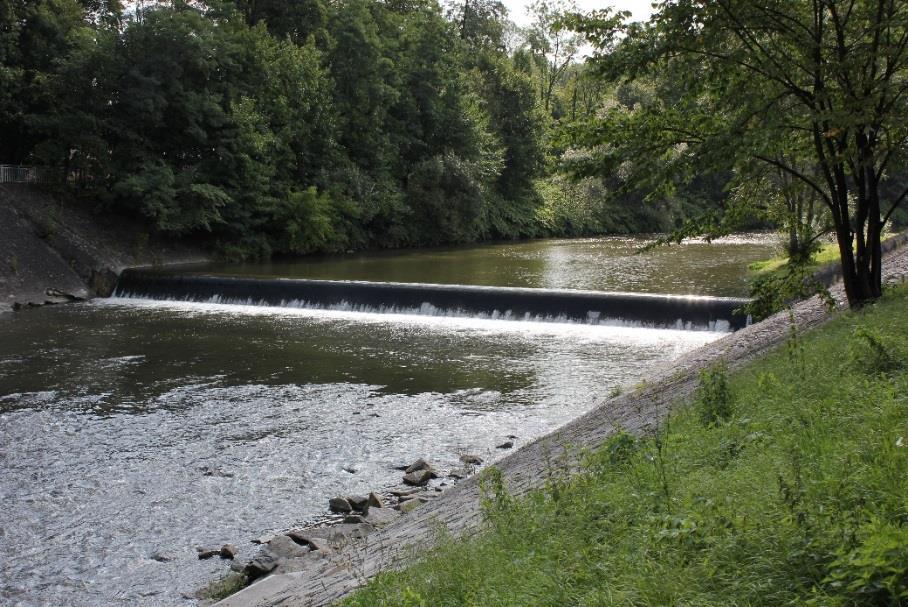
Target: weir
x,y
507,303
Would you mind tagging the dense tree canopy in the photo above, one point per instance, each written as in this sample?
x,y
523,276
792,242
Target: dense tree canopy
x,y
265,127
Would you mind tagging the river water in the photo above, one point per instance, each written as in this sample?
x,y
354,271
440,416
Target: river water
x,y
598,264
132,431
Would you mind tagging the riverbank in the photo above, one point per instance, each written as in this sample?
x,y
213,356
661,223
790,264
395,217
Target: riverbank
x,y
782,483
53,251
825,264
458,512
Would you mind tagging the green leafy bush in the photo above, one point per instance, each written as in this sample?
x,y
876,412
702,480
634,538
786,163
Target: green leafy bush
x,y
713,399
875,571
869,351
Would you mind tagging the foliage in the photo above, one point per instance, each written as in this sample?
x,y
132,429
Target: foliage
x,y
774,291
798,498
277,128
713,399
382,124
813,89
873,572
871,352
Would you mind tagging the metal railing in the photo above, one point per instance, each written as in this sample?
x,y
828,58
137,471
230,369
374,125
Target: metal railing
x,y
13,173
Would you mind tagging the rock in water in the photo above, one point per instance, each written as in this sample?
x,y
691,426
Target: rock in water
x,y
505,445
229,551
471,460
339,505
263,564
375,501
162,557
207,553
358,502
284,546
420,478
419,464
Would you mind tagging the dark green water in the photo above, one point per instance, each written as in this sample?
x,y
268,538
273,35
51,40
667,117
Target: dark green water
x,y
600,264
130,429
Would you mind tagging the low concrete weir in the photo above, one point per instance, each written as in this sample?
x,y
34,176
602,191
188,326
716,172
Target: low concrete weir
x,y
508,303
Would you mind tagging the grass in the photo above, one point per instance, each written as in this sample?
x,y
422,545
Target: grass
x,y
221,588
828,253
782,484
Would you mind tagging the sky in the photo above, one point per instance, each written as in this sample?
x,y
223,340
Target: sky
x,y
641,9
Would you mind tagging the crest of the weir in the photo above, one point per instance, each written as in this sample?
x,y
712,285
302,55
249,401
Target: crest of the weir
x,y
667,311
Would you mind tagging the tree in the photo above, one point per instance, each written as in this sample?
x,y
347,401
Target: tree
x,y
481,24
297,19
828,78
553,45
34,37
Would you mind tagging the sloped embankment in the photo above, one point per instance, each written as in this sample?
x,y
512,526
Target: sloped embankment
x,y
53,251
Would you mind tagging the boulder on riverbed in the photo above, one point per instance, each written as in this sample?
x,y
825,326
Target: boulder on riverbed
x,y
419,478
471,460
404,492
358,502
419,464
286,547
207,553
375,501
280,549
339,505
264,563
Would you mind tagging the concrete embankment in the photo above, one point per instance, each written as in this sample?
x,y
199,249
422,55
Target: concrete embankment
x,y
457,511
53,251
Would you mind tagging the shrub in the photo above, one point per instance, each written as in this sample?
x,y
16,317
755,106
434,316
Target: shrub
x,y
875,571
869,352
713,398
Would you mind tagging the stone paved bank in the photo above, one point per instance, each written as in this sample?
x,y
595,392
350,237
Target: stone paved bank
x,y
349,566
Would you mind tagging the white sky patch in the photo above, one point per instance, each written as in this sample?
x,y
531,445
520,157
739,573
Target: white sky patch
x,y
640,9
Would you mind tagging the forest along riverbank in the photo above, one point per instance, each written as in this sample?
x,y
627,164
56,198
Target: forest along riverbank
x,y
144,430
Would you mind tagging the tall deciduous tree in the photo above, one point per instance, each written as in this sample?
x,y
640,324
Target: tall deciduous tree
x,y
553,45
826,78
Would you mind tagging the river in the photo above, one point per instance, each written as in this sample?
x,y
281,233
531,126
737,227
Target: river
x,y
132,431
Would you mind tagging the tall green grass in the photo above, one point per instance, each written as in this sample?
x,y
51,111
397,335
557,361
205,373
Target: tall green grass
x,y
783,484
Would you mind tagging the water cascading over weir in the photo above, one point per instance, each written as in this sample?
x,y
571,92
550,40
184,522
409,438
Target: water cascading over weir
x,y
504,303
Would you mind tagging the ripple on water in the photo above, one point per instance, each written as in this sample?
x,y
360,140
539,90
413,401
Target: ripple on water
x,y
184,425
